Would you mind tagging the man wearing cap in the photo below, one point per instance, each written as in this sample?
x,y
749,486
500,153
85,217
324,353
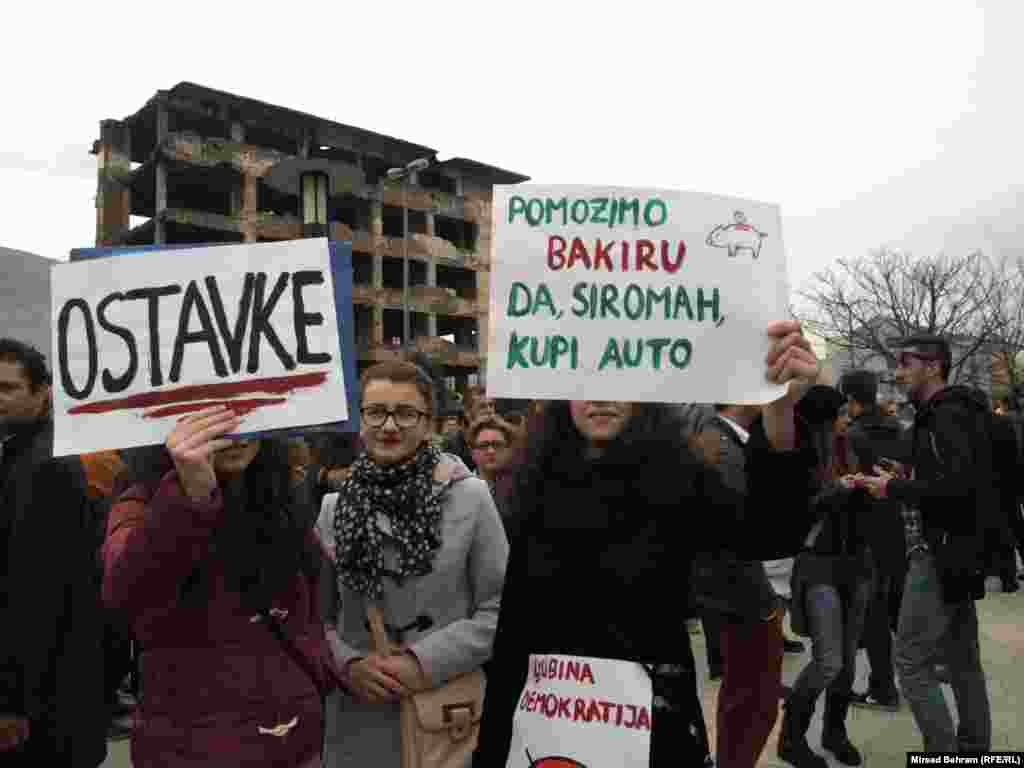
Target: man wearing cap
x,y
874,435
950,510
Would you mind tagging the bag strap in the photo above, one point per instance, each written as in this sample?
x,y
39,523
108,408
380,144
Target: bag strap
x,y
379,640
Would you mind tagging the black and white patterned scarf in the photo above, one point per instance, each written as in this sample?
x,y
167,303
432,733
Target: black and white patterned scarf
x,y
404,494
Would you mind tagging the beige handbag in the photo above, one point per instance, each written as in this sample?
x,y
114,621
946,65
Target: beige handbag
x,y
440,727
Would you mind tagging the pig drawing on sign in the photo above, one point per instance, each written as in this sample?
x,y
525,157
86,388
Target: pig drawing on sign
x,y
737,236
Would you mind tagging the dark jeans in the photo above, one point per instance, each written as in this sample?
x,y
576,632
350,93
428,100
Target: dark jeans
x,y
879,627
835,619
929,625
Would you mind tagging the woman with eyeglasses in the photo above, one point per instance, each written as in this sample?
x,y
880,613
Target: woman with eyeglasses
x,y
415,534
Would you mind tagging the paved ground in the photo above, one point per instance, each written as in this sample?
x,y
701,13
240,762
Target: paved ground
x,y
883,737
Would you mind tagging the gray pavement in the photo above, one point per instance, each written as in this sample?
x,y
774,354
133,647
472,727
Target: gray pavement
x,y
883,737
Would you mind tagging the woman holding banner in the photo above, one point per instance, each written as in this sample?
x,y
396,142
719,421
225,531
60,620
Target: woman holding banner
x,y
418,553
215,572
611,505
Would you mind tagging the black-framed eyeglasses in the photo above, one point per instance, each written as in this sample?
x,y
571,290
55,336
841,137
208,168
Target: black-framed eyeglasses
x,y
496,445
404,416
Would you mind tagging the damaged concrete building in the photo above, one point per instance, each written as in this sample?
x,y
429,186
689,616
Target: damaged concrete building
x,y
203,166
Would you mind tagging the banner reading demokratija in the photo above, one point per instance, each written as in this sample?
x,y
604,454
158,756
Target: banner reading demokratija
x,y
582,712
141,339
607,293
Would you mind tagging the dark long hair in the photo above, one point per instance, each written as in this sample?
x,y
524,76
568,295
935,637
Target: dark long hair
x,y
263,538
653,445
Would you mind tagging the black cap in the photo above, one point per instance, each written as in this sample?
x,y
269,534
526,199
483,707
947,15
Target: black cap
x,y
820,405
862,386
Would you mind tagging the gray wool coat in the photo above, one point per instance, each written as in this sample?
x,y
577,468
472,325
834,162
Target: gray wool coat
x,y
461,595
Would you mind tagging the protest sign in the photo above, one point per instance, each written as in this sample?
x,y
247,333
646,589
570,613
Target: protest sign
x,y
583,712
633,294
141,339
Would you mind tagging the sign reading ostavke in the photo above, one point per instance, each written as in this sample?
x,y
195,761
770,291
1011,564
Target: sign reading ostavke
x,y
584,712
633,294
141,340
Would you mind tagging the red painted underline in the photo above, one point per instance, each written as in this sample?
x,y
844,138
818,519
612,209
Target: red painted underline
x,y
278,385
241,407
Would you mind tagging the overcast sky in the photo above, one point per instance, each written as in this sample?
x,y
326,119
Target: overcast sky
x,y
870,123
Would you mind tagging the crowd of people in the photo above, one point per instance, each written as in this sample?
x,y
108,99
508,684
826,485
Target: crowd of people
x,y
290,601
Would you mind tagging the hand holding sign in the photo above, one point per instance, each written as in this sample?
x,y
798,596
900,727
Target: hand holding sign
x,y
791,358
192,443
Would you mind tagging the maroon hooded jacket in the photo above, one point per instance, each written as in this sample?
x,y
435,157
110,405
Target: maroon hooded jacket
x,y
218,687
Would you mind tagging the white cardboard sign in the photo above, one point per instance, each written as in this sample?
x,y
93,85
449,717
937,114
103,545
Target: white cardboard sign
x,y
251,326
582,712
608,293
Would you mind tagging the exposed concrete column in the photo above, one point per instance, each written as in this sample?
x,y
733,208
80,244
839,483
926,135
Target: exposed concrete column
x,y
483,298
237,131
432,283
250,189
160,192
431,231
376,219
113,196
377,311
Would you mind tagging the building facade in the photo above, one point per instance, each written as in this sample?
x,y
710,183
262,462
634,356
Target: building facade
x,y
196,165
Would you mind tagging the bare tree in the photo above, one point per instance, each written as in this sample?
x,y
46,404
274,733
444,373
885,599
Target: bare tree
x,y
1008,338
859,304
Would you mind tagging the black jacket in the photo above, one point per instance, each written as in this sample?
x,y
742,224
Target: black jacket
x,y
875,436
600,563
1006,460
739,589
955,487
51,652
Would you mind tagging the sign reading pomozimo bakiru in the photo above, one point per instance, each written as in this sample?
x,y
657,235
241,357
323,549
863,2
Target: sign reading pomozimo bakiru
x,y
608,293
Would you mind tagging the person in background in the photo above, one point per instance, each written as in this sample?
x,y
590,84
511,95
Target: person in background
x,y
102,469
333,453
832,581
416,534
492,440
611,496
951,510
216,572
477,407
52,709
742,615
451,420
876,436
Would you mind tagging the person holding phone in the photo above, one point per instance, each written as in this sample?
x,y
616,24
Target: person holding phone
x,y
877,439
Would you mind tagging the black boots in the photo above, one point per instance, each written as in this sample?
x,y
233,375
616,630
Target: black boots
x,y
833,737
793,747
